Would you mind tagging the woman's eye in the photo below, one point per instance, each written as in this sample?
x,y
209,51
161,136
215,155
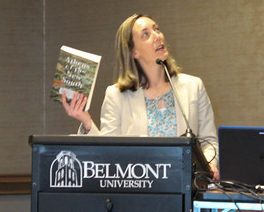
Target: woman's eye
x,y
157,29
145,34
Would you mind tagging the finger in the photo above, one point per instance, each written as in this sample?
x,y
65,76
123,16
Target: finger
x,y
84,102
74,101
64,102
81,103
78,101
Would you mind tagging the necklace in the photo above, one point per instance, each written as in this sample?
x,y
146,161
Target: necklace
x,y
157,92
159,102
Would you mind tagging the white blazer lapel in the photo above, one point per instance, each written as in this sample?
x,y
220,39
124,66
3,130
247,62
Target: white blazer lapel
x,y
182,94
138,110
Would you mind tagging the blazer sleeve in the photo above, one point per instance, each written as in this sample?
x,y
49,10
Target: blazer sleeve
x,y
110,112
110,115
206,126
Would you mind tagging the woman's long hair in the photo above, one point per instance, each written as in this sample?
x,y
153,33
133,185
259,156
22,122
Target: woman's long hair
x,y
130,74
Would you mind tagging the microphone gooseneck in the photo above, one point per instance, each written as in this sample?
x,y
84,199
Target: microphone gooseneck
x,y
198,154
188,133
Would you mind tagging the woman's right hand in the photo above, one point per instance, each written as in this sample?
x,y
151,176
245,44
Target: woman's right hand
x,y
75,109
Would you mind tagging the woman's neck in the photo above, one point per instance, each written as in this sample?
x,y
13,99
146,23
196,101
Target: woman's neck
x,y
155,75
157,89
157,85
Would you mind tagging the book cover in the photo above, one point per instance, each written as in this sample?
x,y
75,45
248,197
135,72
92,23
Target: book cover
x,y
76,71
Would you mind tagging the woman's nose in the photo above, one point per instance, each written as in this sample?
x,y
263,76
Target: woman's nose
x,y
156,36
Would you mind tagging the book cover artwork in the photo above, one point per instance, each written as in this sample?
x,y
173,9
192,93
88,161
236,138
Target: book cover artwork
x,y
76,71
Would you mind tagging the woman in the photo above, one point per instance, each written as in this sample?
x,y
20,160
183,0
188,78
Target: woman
x,y
142,101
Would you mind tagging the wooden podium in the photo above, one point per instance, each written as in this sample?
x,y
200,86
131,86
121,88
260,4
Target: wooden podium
x,y
117,174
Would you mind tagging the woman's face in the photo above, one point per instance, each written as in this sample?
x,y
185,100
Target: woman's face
x,y
149,41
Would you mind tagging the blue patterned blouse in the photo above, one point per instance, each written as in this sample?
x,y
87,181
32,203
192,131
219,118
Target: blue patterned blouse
x,y
161,115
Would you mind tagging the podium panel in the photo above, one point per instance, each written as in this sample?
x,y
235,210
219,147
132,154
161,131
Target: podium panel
x,y
81,173
57,202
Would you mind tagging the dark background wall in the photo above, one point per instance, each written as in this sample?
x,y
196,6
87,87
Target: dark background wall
x,y
219,41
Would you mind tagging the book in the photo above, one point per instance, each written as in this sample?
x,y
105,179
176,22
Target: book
x,y
76,71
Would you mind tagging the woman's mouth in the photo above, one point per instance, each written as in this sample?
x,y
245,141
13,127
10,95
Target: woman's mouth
x,y
160,48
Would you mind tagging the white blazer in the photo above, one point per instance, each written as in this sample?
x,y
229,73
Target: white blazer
x,y
125,113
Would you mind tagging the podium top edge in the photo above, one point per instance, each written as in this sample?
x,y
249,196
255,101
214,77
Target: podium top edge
x,y
109,140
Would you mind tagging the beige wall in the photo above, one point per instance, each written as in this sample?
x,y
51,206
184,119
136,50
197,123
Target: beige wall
x,y
220,41
15,203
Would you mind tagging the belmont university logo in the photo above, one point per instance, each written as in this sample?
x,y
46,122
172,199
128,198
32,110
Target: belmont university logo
x,y
67,171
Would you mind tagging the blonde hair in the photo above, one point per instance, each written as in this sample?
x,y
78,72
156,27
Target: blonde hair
x,y
130,74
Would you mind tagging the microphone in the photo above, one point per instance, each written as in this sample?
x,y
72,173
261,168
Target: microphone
x,y
188,133
199,158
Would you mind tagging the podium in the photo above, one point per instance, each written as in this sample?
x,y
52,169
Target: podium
x,y
111,174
